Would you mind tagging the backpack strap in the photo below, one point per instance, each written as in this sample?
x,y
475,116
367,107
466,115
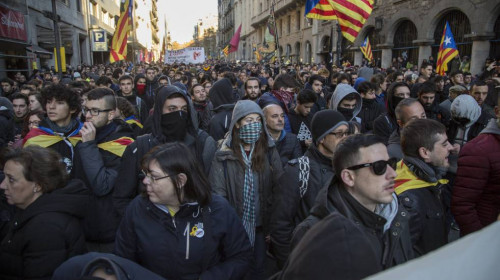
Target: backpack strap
x,y
304,169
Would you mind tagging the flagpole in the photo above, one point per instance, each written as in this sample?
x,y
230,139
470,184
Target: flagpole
x,y
133,33
339,44
276,33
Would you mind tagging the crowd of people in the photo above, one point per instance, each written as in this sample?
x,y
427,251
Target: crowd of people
x,y
229,170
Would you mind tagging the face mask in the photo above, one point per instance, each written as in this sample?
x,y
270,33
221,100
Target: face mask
x,y
174,125
461,121
348,113
368,101
250,133
141,88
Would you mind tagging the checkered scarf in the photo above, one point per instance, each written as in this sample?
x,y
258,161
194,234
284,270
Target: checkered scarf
x,y
248,196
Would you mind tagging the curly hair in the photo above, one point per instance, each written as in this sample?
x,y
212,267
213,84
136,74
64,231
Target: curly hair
x,y
62,93
125,107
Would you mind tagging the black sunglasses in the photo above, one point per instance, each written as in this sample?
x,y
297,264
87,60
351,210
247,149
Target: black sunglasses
x,y
378,167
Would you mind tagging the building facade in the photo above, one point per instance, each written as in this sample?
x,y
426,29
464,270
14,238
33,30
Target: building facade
x,y
396,28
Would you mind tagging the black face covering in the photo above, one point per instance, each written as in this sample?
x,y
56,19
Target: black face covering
x,y
348,113
461,121
368,102
174,125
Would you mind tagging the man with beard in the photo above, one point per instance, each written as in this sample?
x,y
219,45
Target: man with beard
x,y
252,89
202,106
174,119
127,91
419,182
97,159
20,103
426,96
480,91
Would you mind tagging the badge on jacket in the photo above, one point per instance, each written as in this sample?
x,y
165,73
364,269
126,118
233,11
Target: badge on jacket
x,y
197,230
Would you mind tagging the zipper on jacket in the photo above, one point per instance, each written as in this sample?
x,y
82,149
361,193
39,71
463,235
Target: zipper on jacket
x,y
186,233
173,221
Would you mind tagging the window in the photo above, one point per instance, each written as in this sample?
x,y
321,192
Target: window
x,y
289,24
93,11
79,6
298,20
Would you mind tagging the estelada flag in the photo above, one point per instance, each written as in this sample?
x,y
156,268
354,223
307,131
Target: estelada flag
x,y
406,180
447,50
46,137
133,120
366,49
123,27
351,14
116,146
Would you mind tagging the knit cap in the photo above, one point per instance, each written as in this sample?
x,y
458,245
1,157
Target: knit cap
x,y
324,122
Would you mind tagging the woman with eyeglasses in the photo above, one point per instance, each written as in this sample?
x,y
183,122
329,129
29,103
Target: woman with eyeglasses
x,y
177,228
45,229
244,171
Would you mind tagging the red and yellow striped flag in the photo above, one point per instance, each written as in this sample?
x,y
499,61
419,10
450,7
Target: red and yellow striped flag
x,y
351,14
447,50
226,50
123,27
366,49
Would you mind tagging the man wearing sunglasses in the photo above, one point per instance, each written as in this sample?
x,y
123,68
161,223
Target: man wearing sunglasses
x,y
97,159
303,178
361,218
419,183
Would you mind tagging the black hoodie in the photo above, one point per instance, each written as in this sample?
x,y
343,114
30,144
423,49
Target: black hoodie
x,y
223,100
45,234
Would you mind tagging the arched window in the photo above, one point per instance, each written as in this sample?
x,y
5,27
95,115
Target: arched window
x,y
297,52
308,57
288,51
495,43
405,34
374,38
325,44
460,26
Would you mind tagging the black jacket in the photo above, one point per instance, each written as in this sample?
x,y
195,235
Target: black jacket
x,y
140,105
173,247
288,147
98,168
428,225
370,111
351,242
301,126
219,124
204,113
6,125
295,198
45,234
80,266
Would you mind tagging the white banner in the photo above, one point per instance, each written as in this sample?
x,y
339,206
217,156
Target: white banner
x,y
187,55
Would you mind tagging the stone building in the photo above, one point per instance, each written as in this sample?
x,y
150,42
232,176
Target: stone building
x,y
396,28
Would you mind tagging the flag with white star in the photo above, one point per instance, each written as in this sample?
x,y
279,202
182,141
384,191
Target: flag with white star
x,y
447,50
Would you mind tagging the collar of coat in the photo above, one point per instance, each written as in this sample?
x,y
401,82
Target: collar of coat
x,y
407,180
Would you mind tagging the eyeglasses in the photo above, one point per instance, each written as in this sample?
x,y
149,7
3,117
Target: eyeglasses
x,y
151,178
340,134
94,111
378,167
34,123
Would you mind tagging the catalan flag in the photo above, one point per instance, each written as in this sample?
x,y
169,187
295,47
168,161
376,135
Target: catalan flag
x,y
45,137
447,50
133,120
116,146
226,50
123,27
366,49
406,180
351,14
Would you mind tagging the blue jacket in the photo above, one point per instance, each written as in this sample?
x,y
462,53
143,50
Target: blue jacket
x,y
174,247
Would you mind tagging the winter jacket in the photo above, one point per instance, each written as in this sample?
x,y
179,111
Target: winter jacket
x,y
476,194
288,147
179,247
223,100
80,266
6,122
204,113
320,103
45,234
140,105
418,186
128,183
394,145
301,126
370,111
97,165
350,241
384,125
298,187
149,93
62,140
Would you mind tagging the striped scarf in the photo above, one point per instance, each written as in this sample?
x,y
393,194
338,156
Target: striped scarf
x,y
248,196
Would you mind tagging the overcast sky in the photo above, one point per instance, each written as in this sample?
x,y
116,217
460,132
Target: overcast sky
x,y
182,16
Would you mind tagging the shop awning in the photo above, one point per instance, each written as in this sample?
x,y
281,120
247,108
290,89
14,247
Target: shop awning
x,y
41,52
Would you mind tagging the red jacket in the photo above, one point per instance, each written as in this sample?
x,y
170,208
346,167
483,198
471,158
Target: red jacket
x,y
476,194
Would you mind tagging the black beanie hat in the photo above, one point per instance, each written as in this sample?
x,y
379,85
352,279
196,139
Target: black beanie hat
x,y
324,122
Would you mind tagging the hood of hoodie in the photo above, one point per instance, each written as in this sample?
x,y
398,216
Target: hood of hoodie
x,y
137,77
359,80
241,109
6,108
341,91
465,106
71,199
221,93
493,127
163,94
181,86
